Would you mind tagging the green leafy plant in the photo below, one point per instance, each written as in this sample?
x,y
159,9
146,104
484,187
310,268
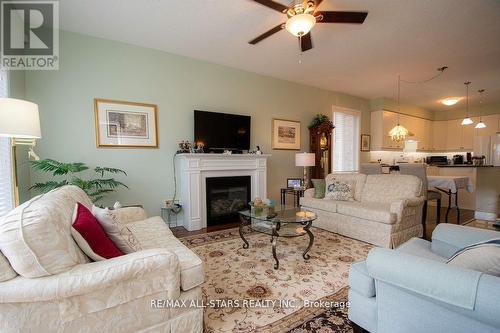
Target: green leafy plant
x,y
96,187
320,119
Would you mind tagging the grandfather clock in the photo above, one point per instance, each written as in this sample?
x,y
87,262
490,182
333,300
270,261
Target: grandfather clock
x,y
320,138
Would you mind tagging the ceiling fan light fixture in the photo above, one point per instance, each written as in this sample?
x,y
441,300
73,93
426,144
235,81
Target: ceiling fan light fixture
x,y
300,25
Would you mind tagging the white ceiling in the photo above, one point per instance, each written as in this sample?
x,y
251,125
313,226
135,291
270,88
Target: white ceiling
x,y
408,37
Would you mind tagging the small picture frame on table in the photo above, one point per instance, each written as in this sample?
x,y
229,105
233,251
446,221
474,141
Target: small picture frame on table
x,y
365,142
294,182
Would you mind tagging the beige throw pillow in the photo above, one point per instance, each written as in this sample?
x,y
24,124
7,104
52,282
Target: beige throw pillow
x,y
123,238
338,190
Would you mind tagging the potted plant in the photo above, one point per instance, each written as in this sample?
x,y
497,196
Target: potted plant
x,y
96,187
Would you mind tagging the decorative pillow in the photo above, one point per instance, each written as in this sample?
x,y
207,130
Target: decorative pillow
x,y
123,238
90,236
319,188
483,257
6,271
342,191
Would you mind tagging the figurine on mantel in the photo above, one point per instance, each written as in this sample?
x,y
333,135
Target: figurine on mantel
x,y
186,147
256,152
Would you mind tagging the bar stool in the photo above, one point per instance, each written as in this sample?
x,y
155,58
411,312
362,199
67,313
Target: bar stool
x,y
420,170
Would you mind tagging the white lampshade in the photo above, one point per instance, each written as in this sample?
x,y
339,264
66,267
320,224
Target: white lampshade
x,y
300,25
305,159
481,124
467,121
19,119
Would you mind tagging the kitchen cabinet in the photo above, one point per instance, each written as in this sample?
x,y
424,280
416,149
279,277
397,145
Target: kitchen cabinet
x,y
443,135
439,133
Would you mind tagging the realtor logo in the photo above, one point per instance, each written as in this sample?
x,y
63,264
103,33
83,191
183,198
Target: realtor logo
x,y
29,35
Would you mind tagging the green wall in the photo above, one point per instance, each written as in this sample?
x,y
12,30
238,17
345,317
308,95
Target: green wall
x,y
92,67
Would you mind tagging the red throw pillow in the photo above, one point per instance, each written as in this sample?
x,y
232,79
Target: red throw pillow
x,y
91,231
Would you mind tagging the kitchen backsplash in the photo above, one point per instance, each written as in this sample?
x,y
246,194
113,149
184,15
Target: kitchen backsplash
x,y
391,157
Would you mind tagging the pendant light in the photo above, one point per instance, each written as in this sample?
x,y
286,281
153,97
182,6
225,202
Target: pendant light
x,y
480,124
467,120
398,133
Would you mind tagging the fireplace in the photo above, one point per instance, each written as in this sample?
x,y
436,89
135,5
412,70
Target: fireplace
x,y
226,196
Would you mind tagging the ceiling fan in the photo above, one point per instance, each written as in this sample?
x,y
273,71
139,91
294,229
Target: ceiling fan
x,y
302,16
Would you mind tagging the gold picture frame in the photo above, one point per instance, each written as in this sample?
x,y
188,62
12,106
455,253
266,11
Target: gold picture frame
x,y
286,134
122,124
365,142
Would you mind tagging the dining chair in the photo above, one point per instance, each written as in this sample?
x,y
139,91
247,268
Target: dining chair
x,y
420,170
370,168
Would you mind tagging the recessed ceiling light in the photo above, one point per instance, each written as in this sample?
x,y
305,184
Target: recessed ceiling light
x,y
450,101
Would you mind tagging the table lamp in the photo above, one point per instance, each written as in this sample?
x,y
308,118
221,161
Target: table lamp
x,y
20,121
305,160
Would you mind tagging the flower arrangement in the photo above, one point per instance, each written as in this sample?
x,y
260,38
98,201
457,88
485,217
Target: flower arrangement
x,y
262,206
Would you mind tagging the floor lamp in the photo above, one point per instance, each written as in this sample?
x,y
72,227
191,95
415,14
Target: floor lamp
x,y
305,160
19,120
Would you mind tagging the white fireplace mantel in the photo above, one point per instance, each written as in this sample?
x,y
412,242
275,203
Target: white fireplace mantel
x,y
194,169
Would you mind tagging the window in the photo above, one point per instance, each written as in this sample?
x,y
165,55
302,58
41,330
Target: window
x,y
6,185
346,136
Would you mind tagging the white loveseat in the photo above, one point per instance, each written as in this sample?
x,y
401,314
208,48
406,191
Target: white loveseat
x,y
386,210
47,284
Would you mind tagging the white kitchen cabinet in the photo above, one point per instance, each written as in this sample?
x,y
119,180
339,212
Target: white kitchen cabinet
x,y
439,133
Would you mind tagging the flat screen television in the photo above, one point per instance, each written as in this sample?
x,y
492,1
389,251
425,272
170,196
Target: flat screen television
x,y
220,131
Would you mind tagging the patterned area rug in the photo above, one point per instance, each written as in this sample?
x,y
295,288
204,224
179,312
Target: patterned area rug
x,y
248,295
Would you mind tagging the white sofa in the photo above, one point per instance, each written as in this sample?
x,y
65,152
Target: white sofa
x,y
47,284
386,211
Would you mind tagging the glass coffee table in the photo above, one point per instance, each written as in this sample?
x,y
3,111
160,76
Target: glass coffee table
x,y
286,222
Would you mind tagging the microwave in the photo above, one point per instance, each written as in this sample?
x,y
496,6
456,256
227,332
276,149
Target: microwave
x,y
436,160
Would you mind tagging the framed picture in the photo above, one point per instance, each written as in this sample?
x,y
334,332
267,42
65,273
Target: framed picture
x,y
286,134
125,124
365,142
293,182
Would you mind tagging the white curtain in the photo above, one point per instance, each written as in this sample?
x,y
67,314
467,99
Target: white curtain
x,y
6,183
346,139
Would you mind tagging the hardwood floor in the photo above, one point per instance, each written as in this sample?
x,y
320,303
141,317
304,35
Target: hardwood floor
x,y
465,216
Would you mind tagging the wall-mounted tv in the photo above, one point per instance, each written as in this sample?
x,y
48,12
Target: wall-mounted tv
x,y
219,131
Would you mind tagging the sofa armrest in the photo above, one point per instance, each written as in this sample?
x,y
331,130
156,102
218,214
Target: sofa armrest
x,y
398,207
97,276
448,238
469,293
130,214
309,193
445,283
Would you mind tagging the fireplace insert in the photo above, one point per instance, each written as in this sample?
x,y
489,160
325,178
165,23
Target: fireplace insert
x,y
226,196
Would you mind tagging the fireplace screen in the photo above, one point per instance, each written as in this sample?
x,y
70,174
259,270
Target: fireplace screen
x,y
226,196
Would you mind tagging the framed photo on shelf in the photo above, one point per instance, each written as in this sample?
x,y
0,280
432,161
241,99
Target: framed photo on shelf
x,y
293,182
365,142
286,134
122,124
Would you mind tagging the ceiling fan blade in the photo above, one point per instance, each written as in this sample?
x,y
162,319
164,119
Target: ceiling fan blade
x,y
306,42
273,5
267,34
341,17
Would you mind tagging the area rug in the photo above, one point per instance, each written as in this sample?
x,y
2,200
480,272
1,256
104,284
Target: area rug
x,y
245,293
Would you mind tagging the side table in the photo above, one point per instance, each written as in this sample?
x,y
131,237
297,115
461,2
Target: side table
x,y
297,193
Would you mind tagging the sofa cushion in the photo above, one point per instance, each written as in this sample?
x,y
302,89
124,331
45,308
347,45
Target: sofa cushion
x,y
360,280
358,178
319,188
36,238
6,271
340,190
123,238
367,210
389,188
91,237
421,248
483,257
154,233
323,204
